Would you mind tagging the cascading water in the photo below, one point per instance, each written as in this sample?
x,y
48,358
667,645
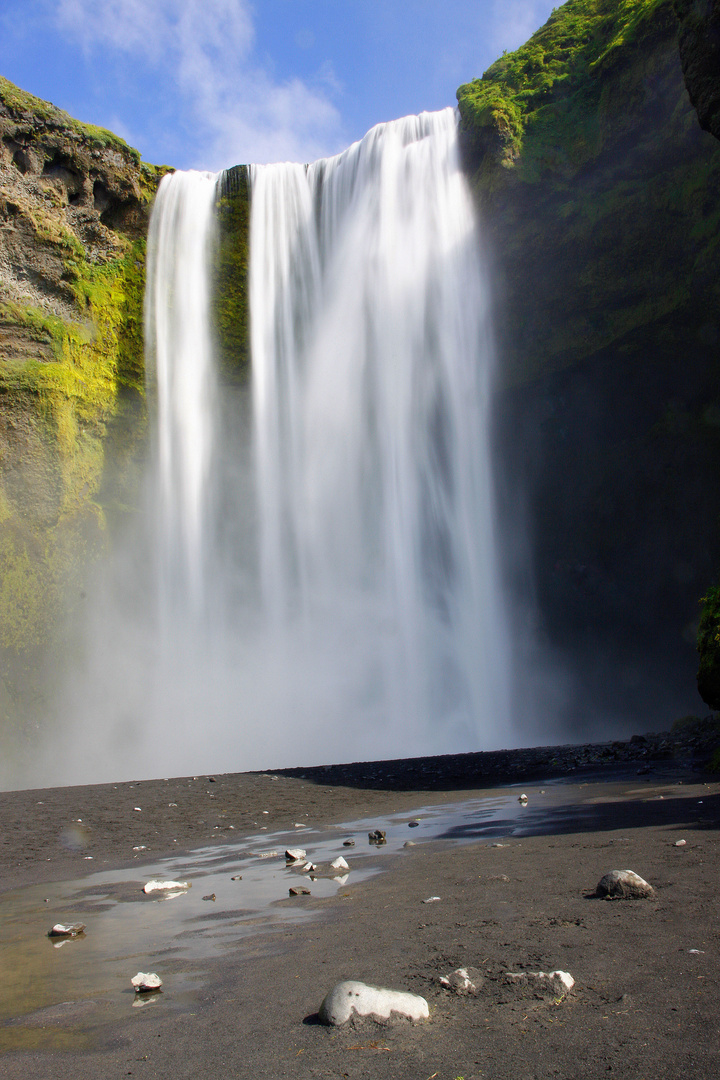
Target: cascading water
x,y
318,580
371,370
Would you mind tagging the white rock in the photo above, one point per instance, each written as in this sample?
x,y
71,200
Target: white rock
x,y
463,980
348,998
557,983
145,981
624,884
430,900
680,843
523,799
339,864
166,886
67,929
295,854
309,867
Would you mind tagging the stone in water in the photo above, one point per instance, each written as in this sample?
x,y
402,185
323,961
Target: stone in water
x,y
67,929
339,864
165,886
146,982
295,854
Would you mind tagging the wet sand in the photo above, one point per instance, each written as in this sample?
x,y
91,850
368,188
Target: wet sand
x,y
644,1004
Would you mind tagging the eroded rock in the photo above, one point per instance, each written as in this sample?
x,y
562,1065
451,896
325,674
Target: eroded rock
x,y
348,999
463,980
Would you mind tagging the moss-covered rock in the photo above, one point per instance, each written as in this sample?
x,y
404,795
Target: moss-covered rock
x,y
230,278
74,206
601,202
700,54
709,649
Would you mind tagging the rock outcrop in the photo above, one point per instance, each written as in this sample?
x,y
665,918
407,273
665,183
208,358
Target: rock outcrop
x,y
74,203
600,195
700,54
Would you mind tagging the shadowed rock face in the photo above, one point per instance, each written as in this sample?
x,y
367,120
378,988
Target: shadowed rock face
x,y
599,192
699,41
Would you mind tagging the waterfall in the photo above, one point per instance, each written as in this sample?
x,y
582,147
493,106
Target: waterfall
x,y
315,578
372,363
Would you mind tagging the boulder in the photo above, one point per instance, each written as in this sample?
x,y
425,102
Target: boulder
x,y
624,885
355,998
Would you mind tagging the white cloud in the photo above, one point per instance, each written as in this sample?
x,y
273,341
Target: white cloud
x,y
202,51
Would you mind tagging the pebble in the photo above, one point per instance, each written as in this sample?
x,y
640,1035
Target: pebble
x,y
625,885
295,854
557,983
409,843
377,837
146,982
413,824
210,896
298,890
430,900
348,843
680,843
236,877
523,799
165,886
67,929
339,864
309,867
463,980
355,998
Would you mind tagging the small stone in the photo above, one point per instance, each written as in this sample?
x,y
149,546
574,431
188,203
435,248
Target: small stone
x,y
413,824
523,799
236,877
463,980
295,854
556,983
348,843
624,885
210,896
355,998
680,843
377,837
138,808
146,982
500,845
409,843
139,847
166,886
430,900
298,890
339,864
67,929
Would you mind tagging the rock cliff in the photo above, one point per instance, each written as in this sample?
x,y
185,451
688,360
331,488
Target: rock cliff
x,y
599,190
74,203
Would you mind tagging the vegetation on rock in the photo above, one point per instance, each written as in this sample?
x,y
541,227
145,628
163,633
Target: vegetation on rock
x,y
74,203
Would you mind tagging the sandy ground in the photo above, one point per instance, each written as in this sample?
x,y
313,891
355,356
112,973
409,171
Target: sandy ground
x,y
647,977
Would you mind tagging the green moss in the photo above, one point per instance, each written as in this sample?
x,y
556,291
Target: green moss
x,y
556,70
20,103
230,284
708,645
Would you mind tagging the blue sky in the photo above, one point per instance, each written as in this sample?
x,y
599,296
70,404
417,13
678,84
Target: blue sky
x,y
213,83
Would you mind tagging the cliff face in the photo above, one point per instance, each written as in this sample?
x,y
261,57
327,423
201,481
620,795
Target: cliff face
x,y
74,204
699,41
600,194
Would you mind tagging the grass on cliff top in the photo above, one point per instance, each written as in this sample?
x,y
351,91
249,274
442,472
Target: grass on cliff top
x,y
20,102
576,42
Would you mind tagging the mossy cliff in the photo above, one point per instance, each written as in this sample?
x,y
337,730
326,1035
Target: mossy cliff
x,y
600,197
74,203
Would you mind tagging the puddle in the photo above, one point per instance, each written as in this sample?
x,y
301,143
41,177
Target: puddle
x,y
50,985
